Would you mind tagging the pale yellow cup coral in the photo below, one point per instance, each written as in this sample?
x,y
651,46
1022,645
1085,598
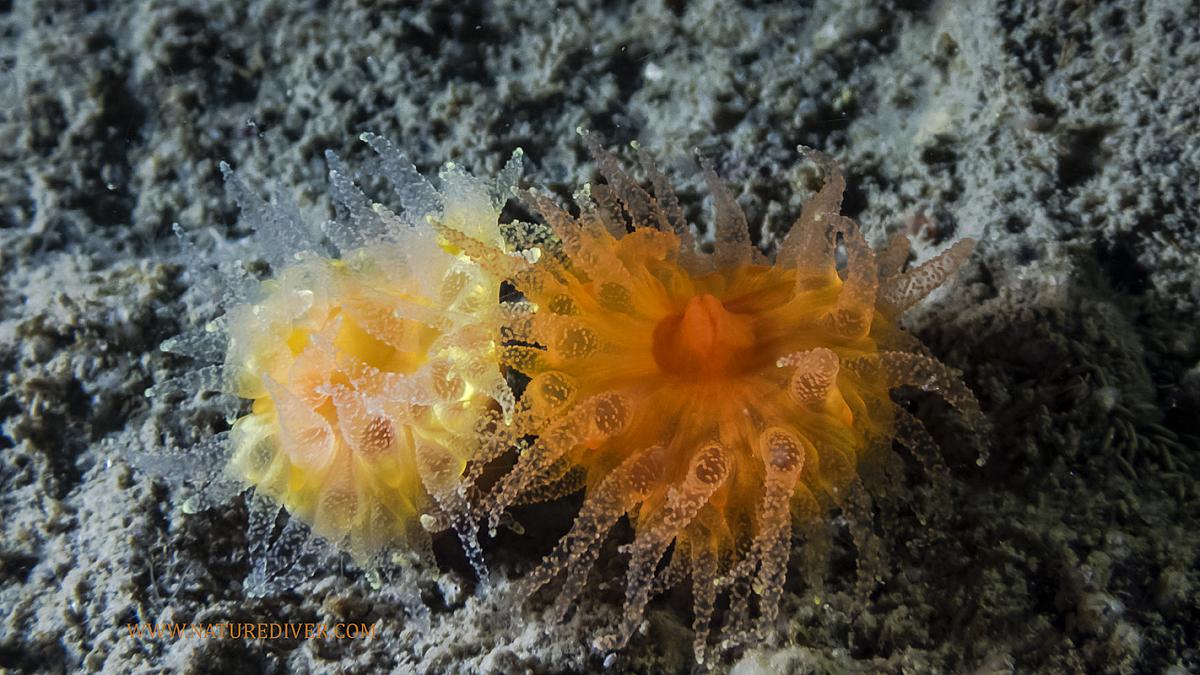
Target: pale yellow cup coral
x,y
716,399
369,367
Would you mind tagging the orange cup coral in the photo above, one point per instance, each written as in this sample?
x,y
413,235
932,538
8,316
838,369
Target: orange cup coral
x,y
369,370
715,398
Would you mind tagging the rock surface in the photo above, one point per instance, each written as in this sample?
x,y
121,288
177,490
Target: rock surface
x,y
1064,136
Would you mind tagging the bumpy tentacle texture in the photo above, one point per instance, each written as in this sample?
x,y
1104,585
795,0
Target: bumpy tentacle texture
x,y
716,399
370,369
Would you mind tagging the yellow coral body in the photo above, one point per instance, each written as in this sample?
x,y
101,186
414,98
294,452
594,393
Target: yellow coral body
x,y
368,373
714,398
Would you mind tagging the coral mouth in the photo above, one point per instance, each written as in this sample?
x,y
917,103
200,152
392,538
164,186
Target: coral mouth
x,y
705,341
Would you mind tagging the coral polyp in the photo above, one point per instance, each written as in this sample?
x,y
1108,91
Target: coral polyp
x,y
364,398
715,398
368,366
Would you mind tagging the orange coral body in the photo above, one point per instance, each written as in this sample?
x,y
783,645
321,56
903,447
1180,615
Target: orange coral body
x,y
714,398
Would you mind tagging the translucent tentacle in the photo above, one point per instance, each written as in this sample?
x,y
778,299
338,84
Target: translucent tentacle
x,y
536,459
901,291
815,375
368,433
851,317
209,378
487,256
207,344
708,470
704,596
590,253
528,360
810,520
278,221
807,243
507,179
417,195
358,224
892,259
929,374
783,454
568,482
600,209
575,553
913,435
856,504
440,473
731,232
308,440
560,222
670,214
637,202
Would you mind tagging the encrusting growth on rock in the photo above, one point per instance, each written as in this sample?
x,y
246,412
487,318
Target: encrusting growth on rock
x,y
715,399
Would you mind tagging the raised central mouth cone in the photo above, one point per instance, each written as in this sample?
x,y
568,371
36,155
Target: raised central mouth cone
x,y
706,340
